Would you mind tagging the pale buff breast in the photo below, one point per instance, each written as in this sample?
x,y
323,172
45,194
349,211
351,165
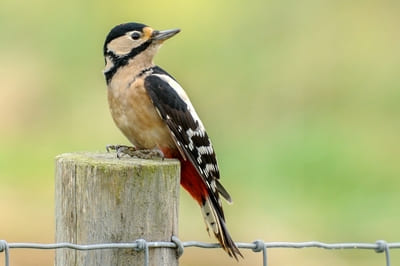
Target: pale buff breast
x,y
135,115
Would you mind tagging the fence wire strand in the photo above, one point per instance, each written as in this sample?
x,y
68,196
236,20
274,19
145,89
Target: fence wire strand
x,y
379,246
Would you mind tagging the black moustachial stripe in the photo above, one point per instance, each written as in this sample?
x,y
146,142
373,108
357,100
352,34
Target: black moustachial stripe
x,y
120,61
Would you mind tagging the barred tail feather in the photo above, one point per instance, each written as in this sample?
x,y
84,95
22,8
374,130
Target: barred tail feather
x,y
214,219
209,200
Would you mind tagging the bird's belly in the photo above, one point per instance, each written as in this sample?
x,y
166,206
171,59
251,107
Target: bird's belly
x,y
135,115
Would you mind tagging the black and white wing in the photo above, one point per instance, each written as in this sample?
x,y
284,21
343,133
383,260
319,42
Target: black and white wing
x,y
187,130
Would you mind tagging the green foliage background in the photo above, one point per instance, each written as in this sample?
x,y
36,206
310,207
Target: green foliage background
x,y
301,99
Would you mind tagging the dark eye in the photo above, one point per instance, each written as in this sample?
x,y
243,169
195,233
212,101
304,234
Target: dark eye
x,y
135,35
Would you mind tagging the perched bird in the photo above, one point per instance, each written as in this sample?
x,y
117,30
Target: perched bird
x,y
155,114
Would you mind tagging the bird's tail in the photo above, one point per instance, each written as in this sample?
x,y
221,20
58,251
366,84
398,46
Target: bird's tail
x,y
211,207
215,220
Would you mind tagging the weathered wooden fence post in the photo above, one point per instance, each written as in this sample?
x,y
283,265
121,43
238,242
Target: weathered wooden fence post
x,y
101,199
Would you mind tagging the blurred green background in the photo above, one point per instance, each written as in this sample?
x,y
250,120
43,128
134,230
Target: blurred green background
x,y
301,99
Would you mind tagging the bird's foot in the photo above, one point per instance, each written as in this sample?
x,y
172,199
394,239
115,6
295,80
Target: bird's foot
x,y
121,150
132,151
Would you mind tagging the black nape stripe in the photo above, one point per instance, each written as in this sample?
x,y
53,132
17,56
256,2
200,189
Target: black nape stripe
x,y
120,61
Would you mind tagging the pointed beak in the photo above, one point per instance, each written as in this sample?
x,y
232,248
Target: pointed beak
x,y
164,35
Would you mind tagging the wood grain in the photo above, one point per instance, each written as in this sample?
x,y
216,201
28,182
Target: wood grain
x,y
102,199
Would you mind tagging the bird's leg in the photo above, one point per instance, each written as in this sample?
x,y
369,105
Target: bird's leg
x,y
132,151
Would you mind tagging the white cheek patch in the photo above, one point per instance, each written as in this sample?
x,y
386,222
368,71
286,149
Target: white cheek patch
x,y
122,45
109,64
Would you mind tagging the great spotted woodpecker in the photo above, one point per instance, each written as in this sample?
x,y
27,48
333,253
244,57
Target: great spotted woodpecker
x,y
155,114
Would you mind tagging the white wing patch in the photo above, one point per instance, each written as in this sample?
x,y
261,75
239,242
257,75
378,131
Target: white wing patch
x,y
180,91
204,150
191,133
209,168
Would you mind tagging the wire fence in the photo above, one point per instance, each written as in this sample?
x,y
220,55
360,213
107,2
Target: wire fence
x,y
379,246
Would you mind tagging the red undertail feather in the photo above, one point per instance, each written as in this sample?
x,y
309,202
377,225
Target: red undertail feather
x,y
208,201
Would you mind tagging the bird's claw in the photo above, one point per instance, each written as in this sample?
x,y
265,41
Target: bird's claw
x,y
134,152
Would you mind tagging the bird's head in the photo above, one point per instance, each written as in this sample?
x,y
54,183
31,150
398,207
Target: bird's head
x,y
129,40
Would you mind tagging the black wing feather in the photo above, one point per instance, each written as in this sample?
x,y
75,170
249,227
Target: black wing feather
x,y
175,112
